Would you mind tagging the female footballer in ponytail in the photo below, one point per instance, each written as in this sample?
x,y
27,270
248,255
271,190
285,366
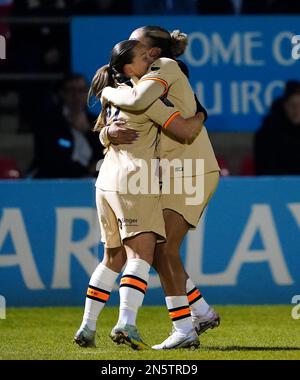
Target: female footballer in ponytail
x,y
111,75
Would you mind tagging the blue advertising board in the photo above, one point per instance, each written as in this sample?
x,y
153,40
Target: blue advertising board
x,y
238,65
246,250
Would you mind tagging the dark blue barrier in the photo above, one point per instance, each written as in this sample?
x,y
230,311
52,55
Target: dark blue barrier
x,y
238,65
246,249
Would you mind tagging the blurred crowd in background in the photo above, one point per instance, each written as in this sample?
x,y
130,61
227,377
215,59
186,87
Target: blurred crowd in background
x,y
45,125
129,7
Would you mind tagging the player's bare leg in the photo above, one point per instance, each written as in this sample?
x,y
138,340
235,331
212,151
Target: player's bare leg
x,y
167,261
114,258
139,250
100,287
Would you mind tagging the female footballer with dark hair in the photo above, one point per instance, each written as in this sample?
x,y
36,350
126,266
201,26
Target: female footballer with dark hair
x,y
129,220
168,75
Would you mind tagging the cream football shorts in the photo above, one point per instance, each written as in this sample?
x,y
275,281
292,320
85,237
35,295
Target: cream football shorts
x,y
178,202
123,216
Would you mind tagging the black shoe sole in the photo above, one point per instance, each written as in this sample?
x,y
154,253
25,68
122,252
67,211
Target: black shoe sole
x,y
121,338
194,346
211,325
83,344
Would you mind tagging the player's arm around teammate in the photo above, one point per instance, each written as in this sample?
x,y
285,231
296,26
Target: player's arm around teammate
x,y
163,76
122,216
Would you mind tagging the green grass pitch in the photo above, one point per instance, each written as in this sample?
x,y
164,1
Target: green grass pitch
x,y
246,332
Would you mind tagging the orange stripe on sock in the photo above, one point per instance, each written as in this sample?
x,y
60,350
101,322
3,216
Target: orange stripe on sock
x,y
180,313
163,82
97,294
132,281
171,118
194,295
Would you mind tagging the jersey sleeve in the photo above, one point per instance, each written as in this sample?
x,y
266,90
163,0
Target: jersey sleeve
x,y
162,112
163,70
162,74
103,136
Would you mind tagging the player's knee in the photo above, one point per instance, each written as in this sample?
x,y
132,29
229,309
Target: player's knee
x,y
146,256
114,265
169,250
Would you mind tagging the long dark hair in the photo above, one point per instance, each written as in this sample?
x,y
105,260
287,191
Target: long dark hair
x,y
172,44
112,74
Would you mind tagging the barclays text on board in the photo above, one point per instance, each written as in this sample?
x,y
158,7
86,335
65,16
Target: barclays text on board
x,y
246,254
237,65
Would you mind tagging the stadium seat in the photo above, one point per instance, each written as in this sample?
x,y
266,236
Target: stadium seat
x,y
8,169
225,172
248,167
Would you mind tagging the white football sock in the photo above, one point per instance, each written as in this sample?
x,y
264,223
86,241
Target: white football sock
x,y
180,313
133,287
100,287
198,305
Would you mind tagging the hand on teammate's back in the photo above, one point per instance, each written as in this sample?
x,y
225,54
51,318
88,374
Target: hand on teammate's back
x,y
119,134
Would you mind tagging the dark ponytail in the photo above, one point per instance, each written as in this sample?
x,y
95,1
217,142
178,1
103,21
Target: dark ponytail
x,y
103,78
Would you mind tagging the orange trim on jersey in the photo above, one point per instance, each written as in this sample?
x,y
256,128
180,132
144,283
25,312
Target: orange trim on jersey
x,y
171,118
180,313
165,84
98,294
194,295
134,282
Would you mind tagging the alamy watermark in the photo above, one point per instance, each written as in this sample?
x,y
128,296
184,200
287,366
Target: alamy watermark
x,y
296,48
154,177
2,47
296,308
2,307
